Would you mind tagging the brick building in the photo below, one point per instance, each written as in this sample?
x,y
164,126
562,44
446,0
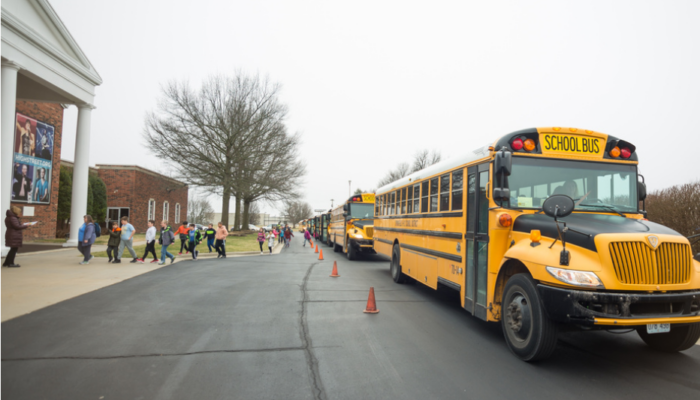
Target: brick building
x,y
142,194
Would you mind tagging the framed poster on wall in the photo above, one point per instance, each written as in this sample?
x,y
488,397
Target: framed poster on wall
x,y
32,161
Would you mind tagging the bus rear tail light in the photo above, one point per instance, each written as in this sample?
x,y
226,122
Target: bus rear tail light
x,y
529,145
505,220
615,152
625,152
517,144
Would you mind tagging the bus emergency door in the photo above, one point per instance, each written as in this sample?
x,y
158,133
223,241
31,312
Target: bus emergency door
x,y
477,240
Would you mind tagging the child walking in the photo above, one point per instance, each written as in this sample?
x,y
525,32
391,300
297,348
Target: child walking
x,y
221,234
150,242
261,239
210,235
288,235
182,232
307,237
195,236
113,242
167,237
271,240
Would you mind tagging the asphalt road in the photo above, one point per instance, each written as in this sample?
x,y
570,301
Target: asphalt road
x,y
278,327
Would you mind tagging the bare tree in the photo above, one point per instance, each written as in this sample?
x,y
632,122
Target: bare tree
x,y
208,136
199,210
401,171
424,158
421,160
295,211
253,213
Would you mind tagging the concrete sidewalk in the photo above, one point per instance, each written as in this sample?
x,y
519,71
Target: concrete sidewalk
x,y
49,277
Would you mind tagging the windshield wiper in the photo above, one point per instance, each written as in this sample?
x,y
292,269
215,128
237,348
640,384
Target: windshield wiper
x,y
611,208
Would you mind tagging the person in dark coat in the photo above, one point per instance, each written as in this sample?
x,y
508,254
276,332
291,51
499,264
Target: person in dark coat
x,y
113,242
13,235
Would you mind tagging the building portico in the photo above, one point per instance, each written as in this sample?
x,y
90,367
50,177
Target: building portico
x,y
41,62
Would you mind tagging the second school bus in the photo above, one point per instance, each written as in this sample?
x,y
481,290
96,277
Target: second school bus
x,y
351,226
541,230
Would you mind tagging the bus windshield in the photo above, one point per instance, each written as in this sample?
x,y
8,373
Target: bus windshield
x,y
358,210
594,186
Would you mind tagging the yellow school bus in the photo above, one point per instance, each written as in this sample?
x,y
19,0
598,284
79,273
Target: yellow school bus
x,y
351,226
541,230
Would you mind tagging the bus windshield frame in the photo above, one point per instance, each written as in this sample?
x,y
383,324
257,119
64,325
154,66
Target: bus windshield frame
x,y
594,186
358,209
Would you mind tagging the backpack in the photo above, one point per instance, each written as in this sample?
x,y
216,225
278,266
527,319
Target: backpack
x,y
98,230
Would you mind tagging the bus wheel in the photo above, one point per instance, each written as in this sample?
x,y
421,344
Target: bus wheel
x,y
680,338
530,334
396,274
352,253
336,248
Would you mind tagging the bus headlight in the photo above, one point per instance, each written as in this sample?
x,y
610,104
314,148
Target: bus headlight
x,y
358,236
578,278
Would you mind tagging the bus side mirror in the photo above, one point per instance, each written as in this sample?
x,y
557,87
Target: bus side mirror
x,y
641,190
503,163
502,166
345,207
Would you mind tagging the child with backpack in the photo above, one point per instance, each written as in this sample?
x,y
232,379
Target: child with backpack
x,y
183,232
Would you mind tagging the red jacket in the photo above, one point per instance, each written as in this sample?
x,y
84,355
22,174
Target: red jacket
x,y
13,234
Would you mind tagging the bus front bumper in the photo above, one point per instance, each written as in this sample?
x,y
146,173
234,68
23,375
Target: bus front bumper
x,y
583,307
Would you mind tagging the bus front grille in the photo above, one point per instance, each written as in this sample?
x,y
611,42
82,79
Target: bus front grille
x,y
370,231
637,263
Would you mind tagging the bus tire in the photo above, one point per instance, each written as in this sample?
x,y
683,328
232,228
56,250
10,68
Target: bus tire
x,y
352,253
336,248
396,274
529,332
680,338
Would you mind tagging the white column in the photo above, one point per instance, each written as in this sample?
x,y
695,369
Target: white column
x,y
7,141
80,173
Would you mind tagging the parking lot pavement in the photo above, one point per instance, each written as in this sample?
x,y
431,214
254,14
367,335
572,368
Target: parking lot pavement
x,y
278,327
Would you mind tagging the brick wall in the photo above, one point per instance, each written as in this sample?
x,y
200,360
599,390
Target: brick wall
x,y
134,188
52,114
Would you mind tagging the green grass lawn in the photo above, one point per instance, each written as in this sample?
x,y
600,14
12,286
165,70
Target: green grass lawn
x,y
233,244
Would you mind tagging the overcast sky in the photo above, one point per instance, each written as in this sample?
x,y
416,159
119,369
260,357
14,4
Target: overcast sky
x,y
370,82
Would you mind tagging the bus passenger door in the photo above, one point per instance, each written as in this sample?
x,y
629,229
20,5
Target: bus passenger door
x,y
477,240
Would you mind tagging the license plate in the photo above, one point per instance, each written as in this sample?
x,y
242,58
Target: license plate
x,y
658,328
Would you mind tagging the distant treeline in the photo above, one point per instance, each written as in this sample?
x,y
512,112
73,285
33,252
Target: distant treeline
x,y
678,208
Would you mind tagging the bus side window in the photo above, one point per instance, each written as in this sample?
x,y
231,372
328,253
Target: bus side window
x,y
471,199
457,190
416,198
445,192
433,194
409,201
403,201
392,203
424,198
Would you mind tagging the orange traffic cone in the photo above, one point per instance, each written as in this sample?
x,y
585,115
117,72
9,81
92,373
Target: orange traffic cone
x,y
334,274
312,244
316,249
320,256
371,303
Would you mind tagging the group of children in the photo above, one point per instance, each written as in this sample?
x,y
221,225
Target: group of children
x,y
190,237
285,235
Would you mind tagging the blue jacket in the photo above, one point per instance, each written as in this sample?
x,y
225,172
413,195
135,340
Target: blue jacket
x,y
87,231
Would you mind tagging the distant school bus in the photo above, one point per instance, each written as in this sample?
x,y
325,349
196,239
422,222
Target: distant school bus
x,y
540,230
351,226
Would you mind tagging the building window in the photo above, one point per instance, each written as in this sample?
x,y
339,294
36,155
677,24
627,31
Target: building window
x,y
151,209
457,190
166,210
445,192
177,213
